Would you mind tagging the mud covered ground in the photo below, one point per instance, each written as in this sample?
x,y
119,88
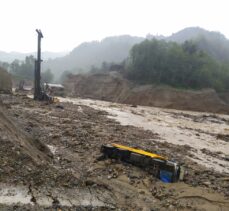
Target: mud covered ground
x,y
48,158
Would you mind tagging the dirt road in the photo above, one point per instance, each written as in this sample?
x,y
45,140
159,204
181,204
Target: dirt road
x,y
68,175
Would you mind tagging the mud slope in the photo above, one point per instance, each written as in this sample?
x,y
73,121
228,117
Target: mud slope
x,y
33,148
204,100
5,81
112,87
20,154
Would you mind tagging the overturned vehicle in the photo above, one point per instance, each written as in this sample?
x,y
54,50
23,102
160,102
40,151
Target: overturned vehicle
x,y
159,166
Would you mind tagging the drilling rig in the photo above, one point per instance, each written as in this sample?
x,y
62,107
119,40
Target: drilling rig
x,y
37,81
39,94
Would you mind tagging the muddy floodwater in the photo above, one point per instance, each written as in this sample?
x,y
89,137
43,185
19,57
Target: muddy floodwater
x,y
197,129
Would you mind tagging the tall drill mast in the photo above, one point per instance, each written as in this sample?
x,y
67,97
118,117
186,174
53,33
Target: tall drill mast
x,y
37,81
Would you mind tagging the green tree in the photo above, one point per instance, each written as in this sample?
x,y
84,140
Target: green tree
x,y
161,62
24,69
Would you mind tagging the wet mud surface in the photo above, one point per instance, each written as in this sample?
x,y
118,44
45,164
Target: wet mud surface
x,y
59,169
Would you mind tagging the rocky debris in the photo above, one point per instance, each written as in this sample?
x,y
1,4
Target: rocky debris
x,y
75,136
227,157
218,155
212,118
223,137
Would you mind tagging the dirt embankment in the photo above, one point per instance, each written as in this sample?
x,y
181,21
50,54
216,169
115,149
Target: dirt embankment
x,y
5,81
99,86
24,158
112,87
204,100
30,147
225,97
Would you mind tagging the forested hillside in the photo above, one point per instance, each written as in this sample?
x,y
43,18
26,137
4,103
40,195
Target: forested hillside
x,y
92,55
214,43
116,49
178,65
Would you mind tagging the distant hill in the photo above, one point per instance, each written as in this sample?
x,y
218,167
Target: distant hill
x,y
188,34
116,49
11,56
110,49
214,43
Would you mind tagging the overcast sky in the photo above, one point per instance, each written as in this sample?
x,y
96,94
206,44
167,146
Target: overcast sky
x,y
67,23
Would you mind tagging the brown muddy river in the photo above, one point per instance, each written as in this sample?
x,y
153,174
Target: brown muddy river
x,y
198,130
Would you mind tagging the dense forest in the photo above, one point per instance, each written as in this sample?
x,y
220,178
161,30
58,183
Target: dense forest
x,y
178,65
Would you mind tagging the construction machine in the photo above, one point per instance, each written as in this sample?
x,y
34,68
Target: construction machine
x,y
160,167
39,94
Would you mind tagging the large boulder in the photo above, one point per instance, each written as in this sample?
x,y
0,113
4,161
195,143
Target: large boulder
x,y
5,81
